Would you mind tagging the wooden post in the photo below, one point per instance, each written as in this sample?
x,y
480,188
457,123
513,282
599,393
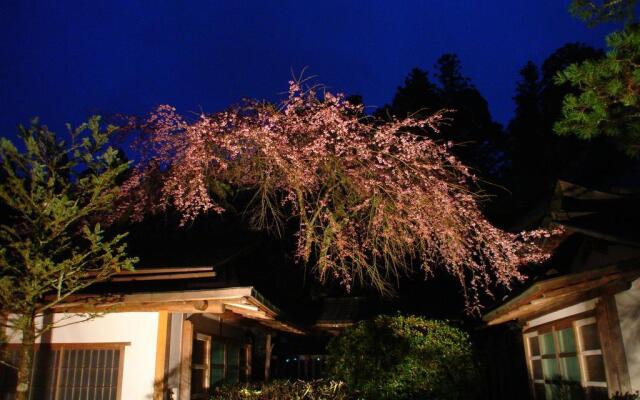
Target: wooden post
x,y
185,360
248,362
612,346
527,356
161,356
267,357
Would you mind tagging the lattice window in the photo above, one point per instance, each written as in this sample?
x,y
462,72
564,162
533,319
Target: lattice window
x,y
69,371
565,360
225,361
200,364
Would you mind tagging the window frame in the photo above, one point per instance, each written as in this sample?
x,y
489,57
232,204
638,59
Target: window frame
x,y
585,353
224,364
62,347
226,341
206,366
573,322
209,365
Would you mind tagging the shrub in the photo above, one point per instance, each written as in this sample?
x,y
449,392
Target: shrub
x,y
627,396
404,357
284,390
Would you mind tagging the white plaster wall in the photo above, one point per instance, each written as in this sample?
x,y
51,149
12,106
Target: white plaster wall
x,y
563,313
140,329
628,304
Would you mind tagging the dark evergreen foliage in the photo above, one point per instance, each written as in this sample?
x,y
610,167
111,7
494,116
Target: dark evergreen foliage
x,y
404,357
470,129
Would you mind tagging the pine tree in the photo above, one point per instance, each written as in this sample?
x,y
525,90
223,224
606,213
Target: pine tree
x,y
51,242
475,137
450,74
595,12
608,98
538,156
418,96
530,142
526,127
608,102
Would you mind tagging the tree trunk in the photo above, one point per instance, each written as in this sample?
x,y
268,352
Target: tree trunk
x,y
25,358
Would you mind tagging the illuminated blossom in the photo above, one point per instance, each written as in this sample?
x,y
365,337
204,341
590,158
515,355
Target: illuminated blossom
x,y
371,198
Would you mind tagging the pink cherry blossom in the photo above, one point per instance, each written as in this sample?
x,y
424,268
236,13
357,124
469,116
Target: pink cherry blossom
x,y
372,198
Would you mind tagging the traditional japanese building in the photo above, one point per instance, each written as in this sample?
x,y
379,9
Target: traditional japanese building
x,y
580,319
166,333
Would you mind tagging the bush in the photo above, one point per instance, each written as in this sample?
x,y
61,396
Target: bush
x,y
284,390
404,358
627,396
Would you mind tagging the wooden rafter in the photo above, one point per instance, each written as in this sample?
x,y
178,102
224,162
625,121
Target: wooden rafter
x,y
553,294
244,302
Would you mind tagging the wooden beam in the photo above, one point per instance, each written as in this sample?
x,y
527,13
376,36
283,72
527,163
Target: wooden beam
x,y
4,322
198,306
158,271
247,313
208,294
590,284
230,316
546,305
281,326
261,306
612,346
527,356
248,355
623,270
162,277
268,347
541,306
240,300
236,293
185,359
161,349
201,305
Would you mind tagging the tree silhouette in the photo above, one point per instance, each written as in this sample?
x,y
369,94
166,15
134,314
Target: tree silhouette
x,y
475,137
450,74
538,156
418,97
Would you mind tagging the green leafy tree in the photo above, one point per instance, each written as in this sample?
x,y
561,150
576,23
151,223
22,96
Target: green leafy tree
x,y
404,357
51,242
607,101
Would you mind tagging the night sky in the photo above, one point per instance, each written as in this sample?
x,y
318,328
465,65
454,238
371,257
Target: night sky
x,y
65,60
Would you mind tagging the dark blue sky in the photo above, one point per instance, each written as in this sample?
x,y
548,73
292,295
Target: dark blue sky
x,y
64,60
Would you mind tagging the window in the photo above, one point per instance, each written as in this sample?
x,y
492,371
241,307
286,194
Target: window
x,y
69,371
233,363
222,362
218,362
200,364
565,360
225,364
